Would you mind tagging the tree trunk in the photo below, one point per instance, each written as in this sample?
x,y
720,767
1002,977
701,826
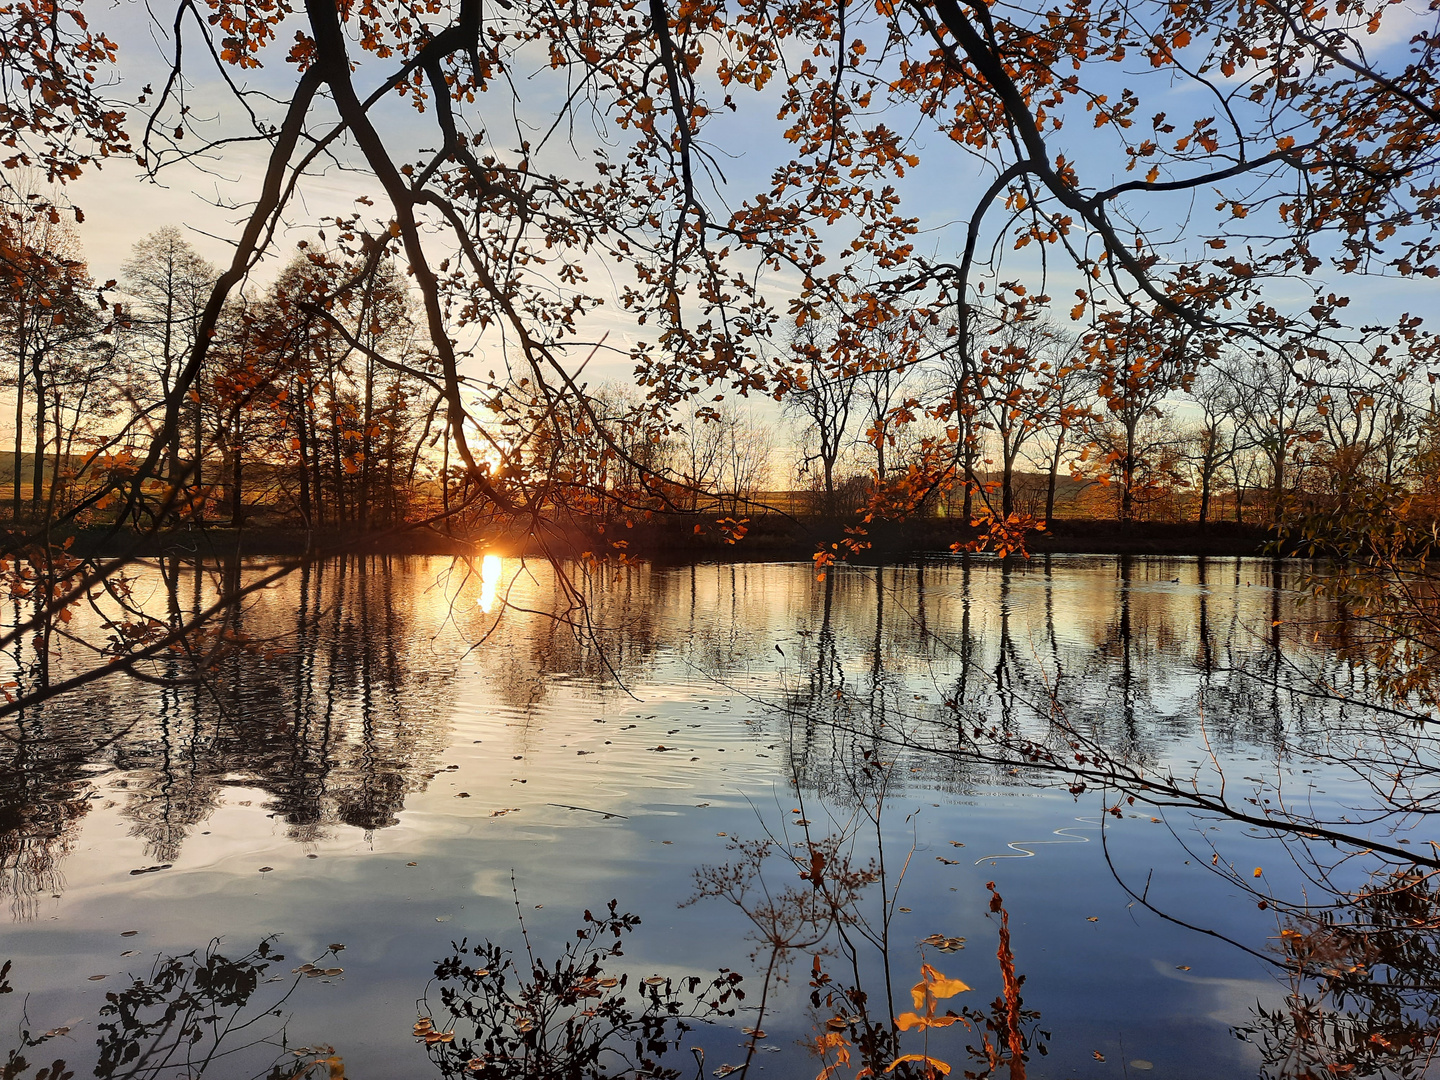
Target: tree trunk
x,y
1007,483
20,379
237,472
37,483
1054,471
367,472
196,477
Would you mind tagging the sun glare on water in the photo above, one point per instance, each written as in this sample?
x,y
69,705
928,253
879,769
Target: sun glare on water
x,y
489,578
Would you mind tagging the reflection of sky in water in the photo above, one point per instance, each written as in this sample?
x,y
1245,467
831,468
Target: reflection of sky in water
x,y
368,736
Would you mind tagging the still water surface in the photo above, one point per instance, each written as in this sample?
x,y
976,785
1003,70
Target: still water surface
x,y
394,767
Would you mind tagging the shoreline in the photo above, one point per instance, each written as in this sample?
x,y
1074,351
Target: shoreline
x,y
675,540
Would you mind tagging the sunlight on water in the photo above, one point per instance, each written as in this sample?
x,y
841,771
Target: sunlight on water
x,y
489,578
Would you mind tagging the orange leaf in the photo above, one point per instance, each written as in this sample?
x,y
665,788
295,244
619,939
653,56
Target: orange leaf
x,y
934,1063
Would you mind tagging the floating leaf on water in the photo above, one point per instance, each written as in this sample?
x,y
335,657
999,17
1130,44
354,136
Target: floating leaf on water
x,y
1182,967
412,864
802,821
303,969
475,1064
131,952
462,794
1097,1055
947,862
266,869
314,973
335,946
837,1023
753,1031
607,983
654,980
128,933
480,973
424,1026
524,1024
956,843
439,1037
334,971
904,909
1142,1065
726,1070
943,943
312,855
1092,918
96,978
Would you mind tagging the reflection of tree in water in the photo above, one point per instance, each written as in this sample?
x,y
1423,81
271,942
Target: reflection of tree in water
x,y
1137,682
44,794
187,1014
1363,986
335,707
208,1013
344,723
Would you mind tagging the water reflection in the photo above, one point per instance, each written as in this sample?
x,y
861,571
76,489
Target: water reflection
x,y
490,570
331,712
616,720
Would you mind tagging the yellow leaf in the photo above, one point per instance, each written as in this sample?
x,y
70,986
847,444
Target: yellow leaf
x,y
906,1021
940,986
935,1063
1258,871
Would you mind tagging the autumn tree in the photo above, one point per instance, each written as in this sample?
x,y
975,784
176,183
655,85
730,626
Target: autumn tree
x,y
1137,362
46,314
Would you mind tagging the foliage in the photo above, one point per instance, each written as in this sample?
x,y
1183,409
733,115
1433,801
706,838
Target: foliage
x,y
569,1020
192,1013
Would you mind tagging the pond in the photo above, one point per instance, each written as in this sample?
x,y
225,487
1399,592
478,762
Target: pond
x,y
816,786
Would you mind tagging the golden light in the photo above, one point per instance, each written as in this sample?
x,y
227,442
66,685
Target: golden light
x,y
489,579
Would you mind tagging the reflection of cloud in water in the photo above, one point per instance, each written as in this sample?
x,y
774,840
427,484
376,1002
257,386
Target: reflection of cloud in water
x,y
1229,998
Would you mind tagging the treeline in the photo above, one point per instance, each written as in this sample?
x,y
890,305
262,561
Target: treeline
x,y
314,403
319,404
1133,420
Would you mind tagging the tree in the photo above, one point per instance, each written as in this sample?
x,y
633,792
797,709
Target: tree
x,y
168,283
1137,362
1275,413
1065,386
44,314
1213,441
819,387
1013,394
